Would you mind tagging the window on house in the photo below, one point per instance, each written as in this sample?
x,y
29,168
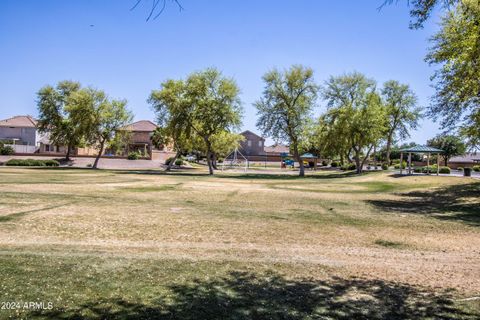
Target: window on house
x,y
249,143
47,147
260,143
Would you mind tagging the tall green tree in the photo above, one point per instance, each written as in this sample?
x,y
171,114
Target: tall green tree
x,y
451,145
401,110
216,107
100,117
470,131
174,111
54,117
421,10
204,107
355,113
286,106
456,49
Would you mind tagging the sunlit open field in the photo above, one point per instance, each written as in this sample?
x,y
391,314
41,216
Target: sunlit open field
x,y
144,244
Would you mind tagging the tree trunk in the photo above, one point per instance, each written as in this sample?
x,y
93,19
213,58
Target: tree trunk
x,y
366,157
67,156
300,162
209,162
100,151
214,161
446,161
357,162
172,162
389,148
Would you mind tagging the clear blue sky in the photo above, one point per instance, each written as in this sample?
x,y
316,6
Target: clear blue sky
x,y
42,42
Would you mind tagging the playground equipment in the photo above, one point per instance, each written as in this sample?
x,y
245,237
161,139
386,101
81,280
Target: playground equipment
x,y
235,160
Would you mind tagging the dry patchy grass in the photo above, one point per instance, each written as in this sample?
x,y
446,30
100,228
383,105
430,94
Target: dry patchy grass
x,y
372,232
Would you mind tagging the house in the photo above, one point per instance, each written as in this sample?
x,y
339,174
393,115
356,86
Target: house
x,y
140,137
277,150
20,132
252,145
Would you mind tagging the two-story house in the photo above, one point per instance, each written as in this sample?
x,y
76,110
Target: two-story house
x,y
21,133
252,145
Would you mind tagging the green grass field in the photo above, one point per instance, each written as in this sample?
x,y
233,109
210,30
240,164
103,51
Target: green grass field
x,y
145,244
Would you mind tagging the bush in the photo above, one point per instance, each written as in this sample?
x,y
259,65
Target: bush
x,y
460,169
167,162
418,169
178,162
334,164
404,165
444,170
32,163
324,163
385,166
349,166
132,156
476,168
6,151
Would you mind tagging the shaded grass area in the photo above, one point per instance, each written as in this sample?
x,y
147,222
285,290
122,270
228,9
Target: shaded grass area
x,y
17,215
165,187
390,244
110,288
453,203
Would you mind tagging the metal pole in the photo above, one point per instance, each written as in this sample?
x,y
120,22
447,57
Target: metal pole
x,y
409,163
438,163
401,162
428,163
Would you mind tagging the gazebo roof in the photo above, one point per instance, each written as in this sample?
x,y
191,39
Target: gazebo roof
x,y
421,149
308,156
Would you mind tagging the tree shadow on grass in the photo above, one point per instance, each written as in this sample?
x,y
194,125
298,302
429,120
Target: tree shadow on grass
x,y
20,214
457,203
244,176
241,295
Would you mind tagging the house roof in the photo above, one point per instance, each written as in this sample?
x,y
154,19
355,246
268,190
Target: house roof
x,y
142,125
277,148
308,156
19,121
421,149
252,133
467,158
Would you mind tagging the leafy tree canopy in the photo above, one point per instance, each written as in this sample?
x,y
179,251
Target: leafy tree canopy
x,y
285,108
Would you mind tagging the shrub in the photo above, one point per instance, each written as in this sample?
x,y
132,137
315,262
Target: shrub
x,y
51,163
404,165
178,162
6,151
132,156
167,162
324,163
476,168
385,166
445,170
334,164
418,169
349,166
460,169
32,163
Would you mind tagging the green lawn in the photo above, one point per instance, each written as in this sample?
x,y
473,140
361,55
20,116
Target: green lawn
x,y
144,244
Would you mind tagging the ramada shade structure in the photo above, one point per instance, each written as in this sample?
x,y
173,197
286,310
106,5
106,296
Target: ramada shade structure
x,y
309,156
419,149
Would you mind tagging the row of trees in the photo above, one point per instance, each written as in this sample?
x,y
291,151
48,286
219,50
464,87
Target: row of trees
x,y
202,112
359,117
74,116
